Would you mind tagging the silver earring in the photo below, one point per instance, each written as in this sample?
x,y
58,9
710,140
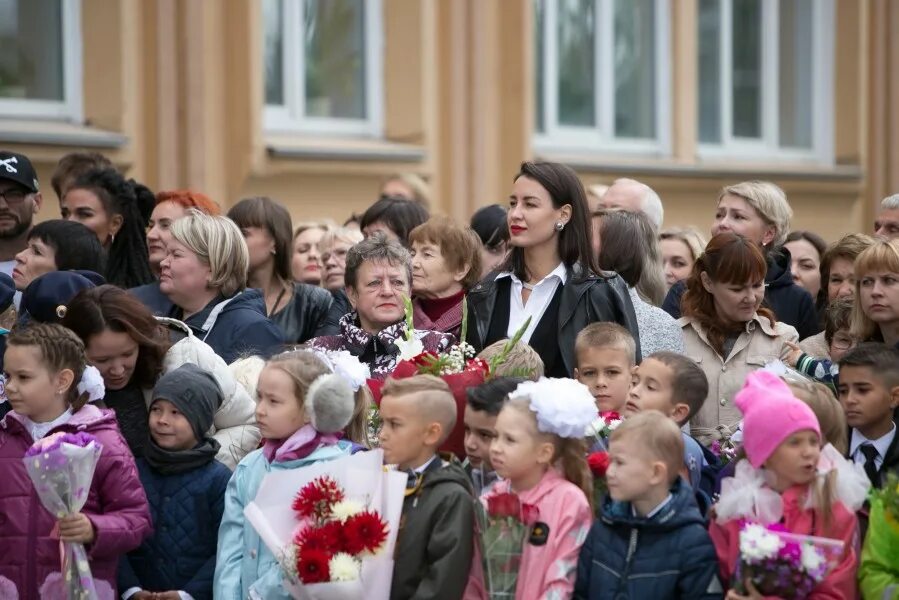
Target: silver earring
x,y
560,225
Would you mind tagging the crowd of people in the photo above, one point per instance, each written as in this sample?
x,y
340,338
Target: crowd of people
x,y
757,367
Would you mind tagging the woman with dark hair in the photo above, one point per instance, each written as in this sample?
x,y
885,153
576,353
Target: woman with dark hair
x,y
806,249
492,228
299,309
117,211
550,275
131,348
58,245
726,330
394,217
630,247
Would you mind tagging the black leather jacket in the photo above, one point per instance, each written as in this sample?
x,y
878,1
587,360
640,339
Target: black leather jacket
x,y
586,298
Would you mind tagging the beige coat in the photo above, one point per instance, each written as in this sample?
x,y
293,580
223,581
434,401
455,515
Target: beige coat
x,y
758,345
816,346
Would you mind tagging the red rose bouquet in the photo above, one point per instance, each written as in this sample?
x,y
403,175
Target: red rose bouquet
x,y
504,525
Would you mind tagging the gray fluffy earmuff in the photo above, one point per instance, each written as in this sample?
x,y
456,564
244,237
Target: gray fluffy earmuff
x,y
330,403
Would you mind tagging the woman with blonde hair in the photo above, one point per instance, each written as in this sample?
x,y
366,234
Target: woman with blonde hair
x,y
333,248
680,249
875,316
305,262
759,211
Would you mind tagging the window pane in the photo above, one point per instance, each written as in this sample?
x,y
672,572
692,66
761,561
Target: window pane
x,y
576,36
796,73
31,59
709,71
747,68
634,49
539,58
273,17
335,58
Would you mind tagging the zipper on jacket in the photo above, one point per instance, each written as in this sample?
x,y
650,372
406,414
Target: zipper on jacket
x,y
31,585
631,551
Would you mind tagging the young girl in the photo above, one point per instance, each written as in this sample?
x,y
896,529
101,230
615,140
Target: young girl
x,y
539,453
44,364
301,407
787,480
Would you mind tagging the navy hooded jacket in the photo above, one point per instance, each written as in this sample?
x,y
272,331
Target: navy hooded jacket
x,y
668,556
791,304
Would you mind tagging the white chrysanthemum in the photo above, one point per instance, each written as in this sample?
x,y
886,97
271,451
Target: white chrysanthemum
x,y
345,509
757,543
812,559
343,567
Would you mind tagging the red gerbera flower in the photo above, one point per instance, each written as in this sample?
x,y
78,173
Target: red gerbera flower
x,y
326,537
317,497
312,566
364,532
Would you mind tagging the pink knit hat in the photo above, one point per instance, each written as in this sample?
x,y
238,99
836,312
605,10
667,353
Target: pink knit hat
x,y
771,414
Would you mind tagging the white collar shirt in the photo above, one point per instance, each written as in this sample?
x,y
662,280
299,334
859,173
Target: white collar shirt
x,y
541,295
881,444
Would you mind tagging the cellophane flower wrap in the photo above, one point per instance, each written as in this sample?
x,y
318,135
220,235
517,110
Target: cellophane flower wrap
x,y
61,467
504,525
783,564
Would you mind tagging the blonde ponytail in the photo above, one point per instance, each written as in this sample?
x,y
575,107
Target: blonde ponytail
x,y
570,454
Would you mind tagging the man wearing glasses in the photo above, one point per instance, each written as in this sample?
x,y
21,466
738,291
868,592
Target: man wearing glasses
x,y
20,200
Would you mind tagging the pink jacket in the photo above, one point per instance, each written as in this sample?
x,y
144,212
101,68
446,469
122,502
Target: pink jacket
x,y
116,505
548,571
840,584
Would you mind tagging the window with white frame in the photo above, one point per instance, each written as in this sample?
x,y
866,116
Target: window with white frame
x,y
602,75
766,79
323,66
40,59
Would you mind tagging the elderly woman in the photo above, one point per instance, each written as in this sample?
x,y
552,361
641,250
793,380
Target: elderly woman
x,y
550,275
57,245
299,309
726,330
446,263
203,278
333,248
759,211
378,279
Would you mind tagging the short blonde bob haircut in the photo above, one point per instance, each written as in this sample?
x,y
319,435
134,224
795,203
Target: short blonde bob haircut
x,y
218,243
881,257
460,246
769,201
347,235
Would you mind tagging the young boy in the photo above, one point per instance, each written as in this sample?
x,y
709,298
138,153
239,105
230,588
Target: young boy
x,y
650,540
675,386
839,340
484,403
185,487
606,353
869,393
435,541
520,361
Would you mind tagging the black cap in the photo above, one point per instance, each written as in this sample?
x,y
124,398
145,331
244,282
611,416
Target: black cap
x,y
45,298
17,167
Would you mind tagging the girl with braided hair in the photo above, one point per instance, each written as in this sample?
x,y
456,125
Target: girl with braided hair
x,y
44,363
117,211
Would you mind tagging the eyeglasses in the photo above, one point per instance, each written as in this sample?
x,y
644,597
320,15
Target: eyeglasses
x,y
842,343
13,196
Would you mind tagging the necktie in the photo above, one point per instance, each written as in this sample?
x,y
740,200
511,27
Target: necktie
x,y
871,454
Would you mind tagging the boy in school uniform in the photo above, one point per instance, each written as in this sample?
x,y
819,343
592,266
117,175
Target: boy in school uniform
x,y
435,540
869,394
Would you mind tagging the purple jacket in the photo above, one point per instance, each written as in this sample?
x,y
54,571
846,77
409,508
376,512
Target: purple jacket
x,y
116,505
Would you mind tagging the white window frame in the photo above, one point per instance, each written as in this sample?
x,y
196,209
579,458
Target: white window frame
x,y
601,137
768,146
291,116
71,107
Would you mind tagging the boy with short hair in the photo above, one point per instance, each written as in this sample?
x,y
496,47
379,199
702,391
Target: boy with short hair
x,y
837,334
606,353
435,540
520,361
674,385
484,403
869,394
650,540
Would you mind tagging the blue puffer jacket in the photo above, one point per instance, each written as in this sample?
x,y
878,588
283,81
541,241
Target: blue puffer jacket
x,y
187,510
668,556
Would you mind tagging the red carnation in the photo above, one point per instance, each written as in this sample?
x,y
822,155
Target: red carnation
x,y
326,538
312,566
504,505
530,514
598,463
317,497
610,415
364,532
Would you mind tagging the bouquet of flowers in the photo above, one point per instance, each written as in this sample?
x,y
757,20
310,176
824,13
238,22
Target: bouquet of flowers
x,y
888,498
725,450
332,526
879,569
61,467
504,525
600,429
599,464
782,564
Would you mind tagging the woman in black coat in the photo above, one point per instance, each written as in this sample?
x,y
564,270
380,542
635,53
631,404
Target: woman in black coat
x,y
550,274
